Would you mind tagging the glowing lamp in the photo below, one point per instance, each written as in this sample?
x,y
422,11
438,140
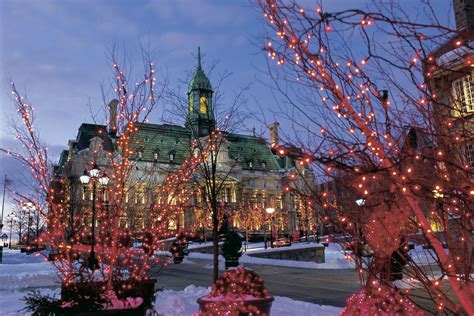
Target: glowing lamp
x,y
94,173
270,210
104,180
85,178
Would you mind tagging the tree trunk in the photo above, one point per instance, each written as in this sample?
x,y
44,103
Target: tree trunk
x,y
215,240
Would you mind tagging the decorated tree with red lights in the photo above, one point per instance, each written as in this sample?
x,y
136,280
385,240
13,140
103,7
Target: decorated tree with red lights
x,y
69,236
380,96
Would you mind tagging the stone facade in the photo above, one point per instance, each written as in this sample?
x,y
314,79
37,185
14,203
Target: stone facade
x,y
255,174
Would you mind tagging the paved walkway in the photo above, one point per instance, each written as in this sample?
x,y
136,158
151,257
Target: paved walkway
x,y
325,287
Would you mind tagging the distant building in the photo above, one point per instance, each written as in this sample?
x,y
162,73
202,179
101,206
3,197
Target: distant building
x,y
257,175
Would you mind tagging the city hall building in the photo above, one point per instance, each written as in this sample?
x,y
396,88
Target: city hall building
x,y
257,177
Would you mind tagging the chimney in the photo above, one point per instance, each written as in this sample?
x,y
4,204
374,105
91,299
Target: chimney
x,y
274,134
464,15
113,117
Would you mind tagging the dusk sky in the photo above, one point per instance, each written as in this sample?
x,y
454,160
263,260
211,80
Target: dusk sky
x,y
56,52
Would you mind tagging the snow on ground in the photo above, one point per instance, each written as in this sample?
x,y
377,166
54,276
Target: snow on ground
x,y
22,273
20,270
180,303
12,304
422,256
334,257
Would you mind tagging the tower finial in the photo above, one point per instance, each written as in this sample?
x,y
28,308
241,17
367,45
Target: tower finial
x,y
199,57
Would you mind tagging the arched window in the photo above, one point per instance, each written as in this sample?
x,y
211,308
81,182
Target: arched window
x,y
264,164
140,154
203,104
156,155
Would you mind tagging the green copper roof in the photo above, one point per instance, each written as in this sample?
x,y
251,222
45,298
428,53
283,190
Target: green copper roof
x,y
162,139
200,80
155,143
252,149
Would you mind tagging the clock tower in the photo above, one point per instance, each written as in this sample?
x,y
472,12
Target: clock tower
x,y
200,116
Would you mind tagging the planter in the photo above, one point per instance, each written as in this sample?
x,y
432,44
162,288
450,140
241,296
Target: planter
x,y
231,262
144,290
215,306
118,312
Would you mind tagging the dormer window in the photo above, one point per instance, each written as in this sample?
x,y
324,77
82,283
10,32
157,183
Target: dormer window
x,y
171,155
251,164
156,155
140,154
264,164
463,93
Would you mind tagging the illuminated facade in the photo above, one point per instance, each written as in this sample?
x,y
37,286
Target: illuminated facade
x,y
256,178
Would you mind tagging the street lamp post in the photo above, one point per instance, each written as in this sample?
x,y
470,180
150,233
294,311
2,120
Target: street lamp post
x,y
28,207
94,176
270,211
11,218
5,182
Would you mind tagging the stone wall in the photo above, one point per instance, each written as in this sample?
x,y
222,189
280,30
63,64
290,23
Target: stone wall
x,y
313,254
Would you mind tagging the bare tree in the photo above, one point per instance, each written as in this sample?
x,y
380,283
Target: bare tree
x,y
364,86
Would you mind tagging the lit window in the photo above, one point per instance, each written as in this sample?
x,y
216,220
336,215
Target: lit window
x,y
463,92
172,225
470,155
190,103
203,104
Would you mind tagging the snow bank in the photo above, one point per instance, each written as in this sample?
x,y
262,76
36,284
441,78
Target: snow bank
x,y
181,303
15,256
20,270
12,304
27,275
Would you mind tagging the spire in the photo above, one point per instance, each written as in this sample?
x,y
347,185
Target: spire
x,y
200,80
199,57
